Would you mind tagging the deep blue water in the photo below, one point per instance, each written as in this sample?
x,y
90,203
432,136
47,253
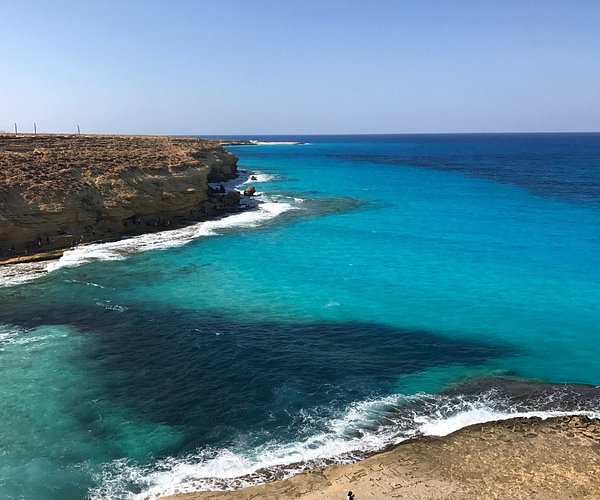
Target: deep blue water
x,y
380,272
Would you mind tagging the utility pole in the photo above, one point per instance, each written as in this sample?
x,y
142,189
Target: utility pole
x,y
15,128
34,128
78,130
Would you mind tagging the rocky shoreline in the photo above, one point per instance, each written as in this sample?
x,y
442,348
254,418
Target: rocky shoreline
x,y
60,191
519,458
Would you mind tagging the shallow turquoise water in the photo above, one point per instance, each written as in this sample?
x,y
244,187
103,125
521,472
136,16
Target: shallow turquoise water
x,y
394,268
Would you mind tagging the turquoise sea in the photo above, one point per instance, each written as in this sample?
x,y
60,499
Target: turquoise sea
x,y
387,287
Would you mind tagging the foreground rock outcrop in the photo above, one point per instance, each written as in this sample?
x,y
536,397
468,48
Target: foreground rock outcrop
x,y
517,459
57,190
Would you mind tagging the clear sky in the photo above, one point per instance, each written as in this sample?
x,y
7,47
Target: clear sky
x,y
252,67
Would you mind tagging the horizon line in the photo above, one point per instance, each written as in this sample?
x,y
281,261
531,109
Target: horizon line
x,y
286,134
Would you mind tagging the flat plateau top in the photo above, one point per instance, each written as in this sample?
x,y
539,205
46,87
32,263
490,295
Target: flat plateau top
x,y
33,163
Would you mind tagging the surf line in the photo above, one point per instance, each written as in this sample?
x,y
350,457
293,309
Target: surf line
x,y
257,209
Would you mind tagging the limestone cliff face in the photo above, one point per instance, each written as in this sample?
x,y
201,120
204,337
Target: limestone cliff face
x,y
60,188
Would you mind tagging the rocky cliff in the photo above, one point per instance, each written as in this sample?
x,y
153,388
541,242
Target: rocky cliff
x,y
59,189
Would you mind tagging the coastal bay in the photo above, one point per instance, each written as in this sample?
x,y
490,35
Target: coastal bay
x,y
318,250
384,290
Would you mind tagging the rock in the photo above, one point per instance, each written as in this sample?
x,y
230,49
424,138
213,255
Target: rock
x,y
249,191
232,198
253,177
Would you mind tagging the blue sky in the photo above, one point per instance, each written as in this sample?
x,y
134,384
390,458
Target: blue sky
x,y
239,67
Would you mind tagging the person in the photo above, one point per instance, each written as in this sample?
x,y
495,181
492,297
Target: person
x,y
350,496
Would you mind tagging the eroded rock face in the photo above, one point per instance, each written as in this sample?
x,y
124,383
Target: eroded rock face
x,y
232,198
61,188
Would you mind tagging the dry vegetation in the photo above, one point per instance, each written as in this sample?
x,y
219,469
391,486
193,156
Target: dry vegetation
x,y
43,167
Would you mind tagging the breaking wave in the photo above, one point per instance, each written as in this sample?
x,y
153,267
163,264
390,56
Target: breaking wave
x,y
361,429
265,208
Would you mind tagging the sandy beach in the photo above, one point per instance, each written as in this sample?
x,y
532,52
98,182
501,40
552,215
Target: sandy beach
x,y
557,458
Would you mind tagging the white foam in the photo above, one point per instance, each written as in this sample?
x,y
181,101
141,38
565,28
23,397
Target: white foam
x,y
228,469
13,335
88,283
443,427
276,143
230,185
267,208
365,427
108,305
259,177
119,250
16,274
8,334
88,253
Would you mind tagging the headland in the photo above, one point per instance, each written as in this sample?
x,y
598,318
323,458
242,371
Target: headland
x,y
520,458
58,191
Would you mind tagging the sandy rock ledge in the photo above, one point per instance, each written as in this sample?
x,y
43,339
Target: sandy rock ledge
x,y
558,458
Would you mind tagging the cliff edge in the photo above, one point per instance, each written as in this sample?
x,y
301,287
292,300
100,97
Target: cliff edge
x,y
59,190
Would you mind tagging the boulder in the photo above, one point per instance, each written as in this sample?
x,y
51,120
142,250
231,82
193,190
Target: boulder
x,y
232,198
249,191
